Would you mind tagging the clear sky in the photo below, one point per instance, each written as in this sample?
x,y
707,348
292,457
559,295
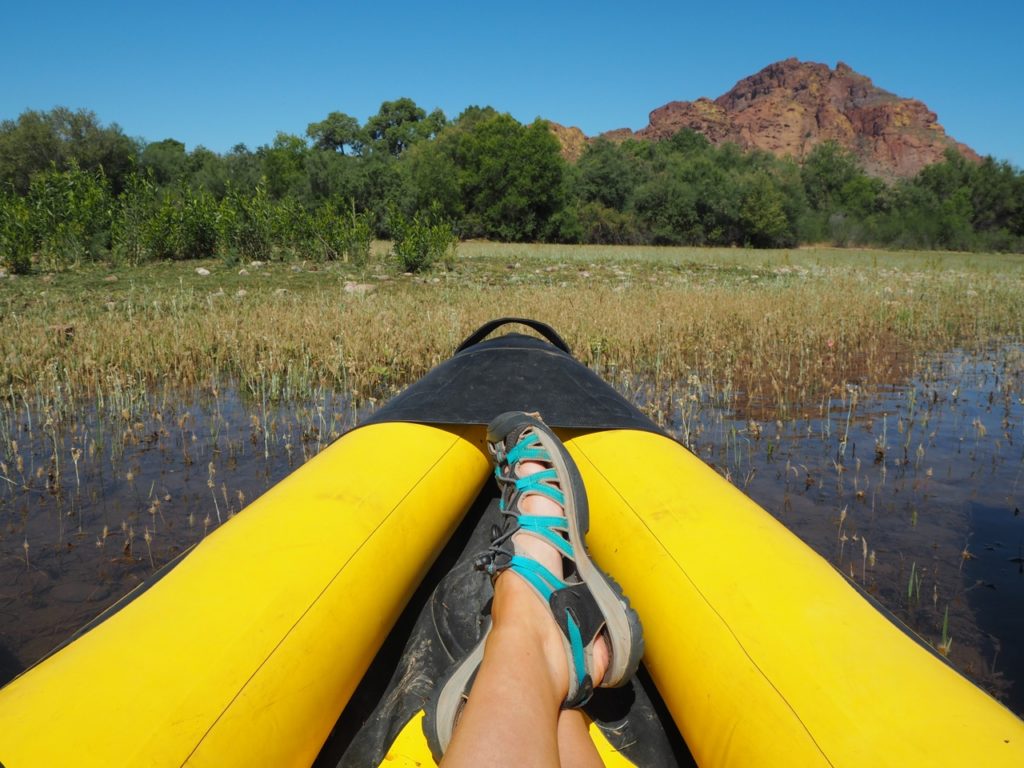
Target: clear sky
x,y
218,73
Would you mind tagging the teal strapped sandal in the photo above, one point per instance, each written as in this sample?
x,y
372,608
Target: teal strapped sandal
x,y
585,604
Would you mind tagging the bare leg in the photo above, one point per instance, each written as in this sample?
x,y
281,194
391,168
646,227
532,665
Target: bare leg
x,y
575,747
513,715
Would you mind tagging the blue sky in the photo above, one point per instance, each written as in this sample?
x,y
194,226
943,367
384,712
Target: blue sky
x,y
219,73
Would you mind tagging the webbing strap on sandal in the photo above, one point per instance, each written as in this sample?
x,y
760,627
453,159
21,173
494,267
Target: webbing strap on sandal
x,y
546,583
537,483
526,449
547,528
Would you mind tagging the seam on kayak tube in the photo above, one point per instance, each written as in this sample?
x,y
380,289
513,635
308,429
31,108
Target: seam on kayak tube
x,y
709,604
316,600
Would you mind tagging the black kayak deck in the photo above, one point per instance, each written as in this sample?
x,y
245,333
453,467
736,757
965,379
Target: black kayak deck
x,y
514,372
446,617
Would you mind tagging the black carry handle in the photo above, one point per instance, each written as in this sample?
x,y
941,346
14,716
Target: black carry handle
x,y
543,329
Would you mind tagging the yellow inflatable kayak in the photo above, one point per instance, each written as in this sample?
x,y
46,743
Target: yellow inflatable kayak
x,y
310,628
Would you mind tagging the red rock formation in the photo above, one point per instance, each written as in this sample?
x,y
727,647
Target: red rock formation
x,y
572,139
789,107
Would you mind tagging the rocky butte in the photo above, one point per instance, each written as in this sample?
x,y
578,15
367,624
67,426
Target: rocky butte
x,y
791,106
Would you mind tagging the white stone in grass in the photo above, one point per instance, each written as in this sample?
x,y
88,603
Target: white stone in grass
x,y
241,292
202,271
243,271
358,288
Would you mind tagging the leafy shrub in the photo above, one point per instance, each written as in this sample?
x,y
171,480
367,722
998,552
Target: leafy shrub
x,y
16,241
135,208
245,224
342,235
184,227
421,243
600,224
292,227
763,214
70,213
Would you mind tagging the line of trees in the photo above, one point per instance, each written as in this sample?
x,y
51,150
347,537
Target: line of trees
x,y
72,190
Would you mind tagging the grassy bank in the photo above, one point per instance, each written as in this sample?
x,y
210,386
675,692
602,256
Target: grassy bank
x,y
777,327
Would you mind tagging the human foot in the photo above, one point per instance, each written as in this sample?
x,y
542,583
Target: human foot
x,y
584,628
531,611
542,541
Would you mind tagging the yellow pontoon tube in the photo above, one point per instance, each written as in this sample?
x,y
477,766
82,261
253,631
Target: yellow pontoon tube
x,y
289,625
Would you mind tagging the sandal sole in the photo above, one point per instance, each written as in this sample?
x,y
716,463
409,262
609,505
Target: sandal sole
x,y
442,710
625,634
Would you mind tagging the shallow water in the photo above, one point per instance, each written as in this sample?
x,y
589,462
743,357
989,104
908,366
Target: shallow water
x,y
129,490
912,489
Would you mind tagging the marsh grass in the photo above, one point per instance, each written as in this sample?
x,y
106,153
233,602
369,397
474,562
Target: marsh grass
x,y
126,404
771,331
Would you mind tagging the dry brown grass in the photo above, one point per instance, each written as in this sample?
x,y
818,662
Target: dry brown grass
x,y
771,335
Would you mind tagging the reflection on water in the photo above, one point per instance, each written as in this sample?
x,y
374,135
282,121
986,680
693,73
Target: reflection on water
x,y
914,491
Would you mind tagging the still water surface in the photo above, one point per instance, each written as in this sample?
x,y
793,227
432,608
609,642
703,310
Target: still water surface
x,y
913,489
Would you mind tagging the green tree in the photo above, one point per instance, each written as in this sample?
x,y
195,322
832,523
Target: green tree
x,y
510,177
607,175
166,160
688,143
339,232
38,140
332,175
208,171
336,132
399,124
995,196
284,164
763,214
600,224
381,186
826,171
952,190
666,206
433,180
474,114
27,146
242,169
